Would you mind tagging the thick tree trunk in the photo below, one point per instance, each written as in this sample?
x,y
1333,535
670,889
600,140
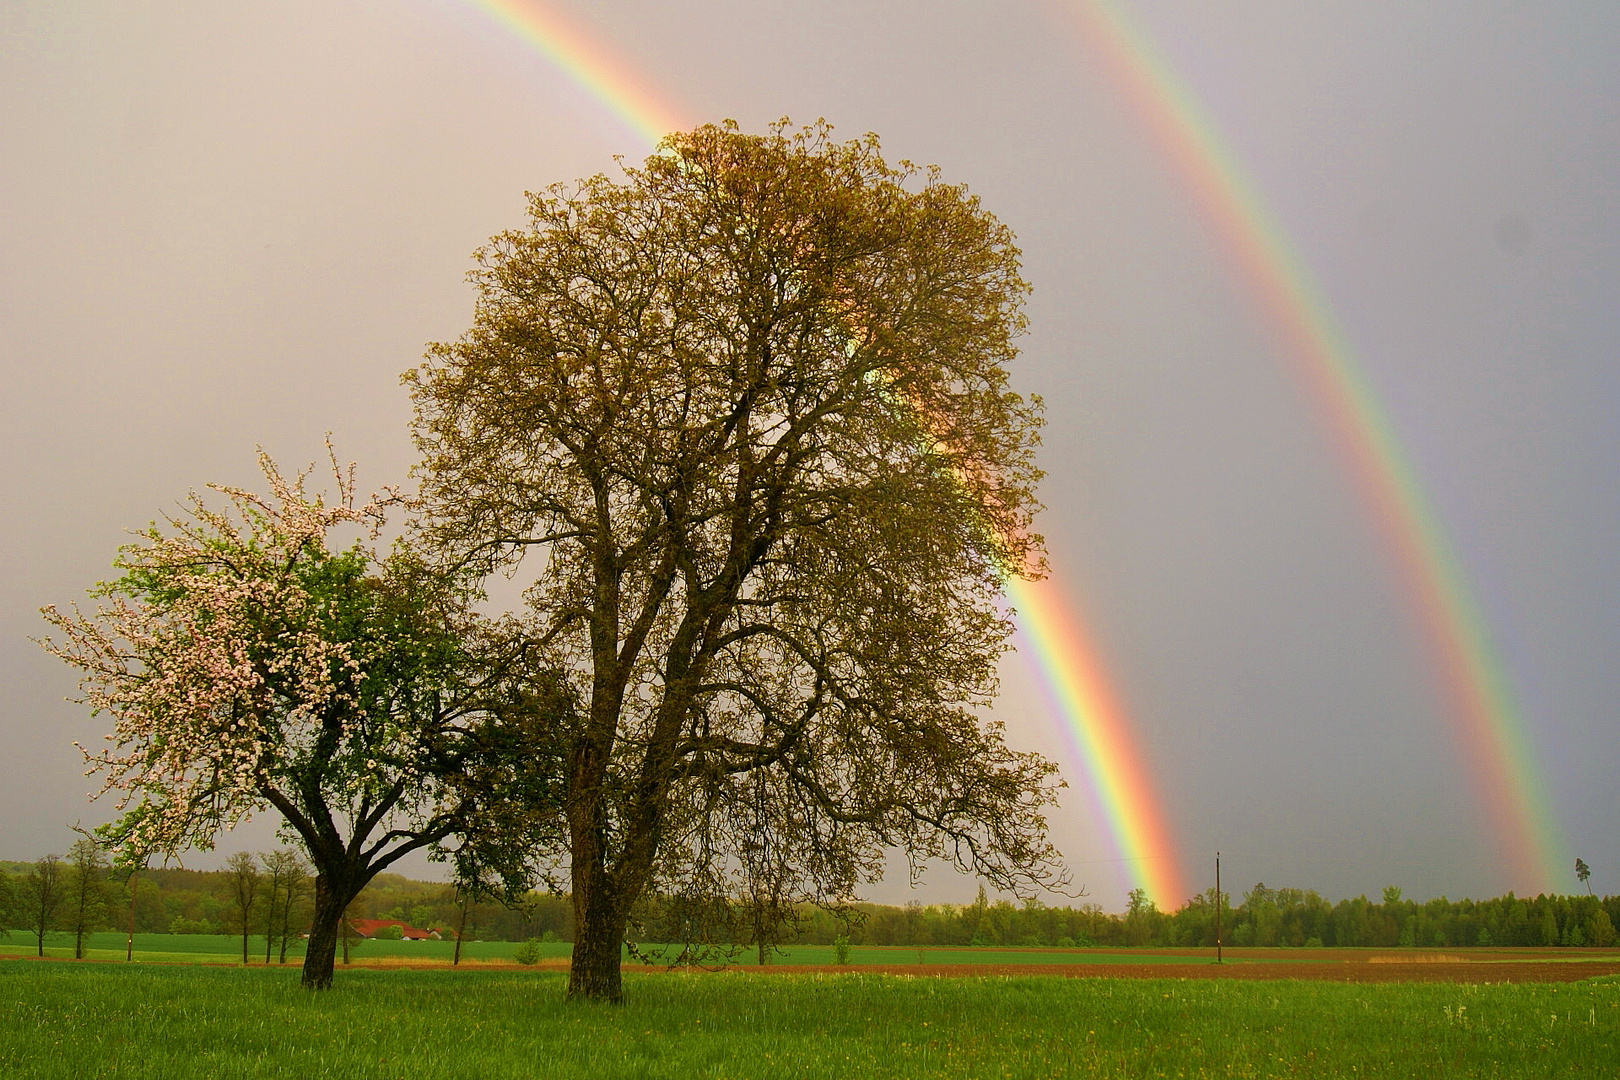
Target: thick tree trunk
x,y
319,958
598,951
599,922
601,913
604,897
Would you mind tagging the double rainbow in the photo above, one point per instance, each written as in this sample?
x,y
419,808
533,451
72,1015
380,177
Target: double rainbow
x,y
1096,725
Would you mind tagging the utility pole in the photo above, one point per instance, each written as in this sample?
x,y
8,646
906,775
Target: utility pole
x,y
129,942
1218,906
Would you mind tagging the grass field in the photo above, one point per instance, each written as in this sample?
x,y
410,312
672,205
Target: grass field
x,y
183,1022
224,949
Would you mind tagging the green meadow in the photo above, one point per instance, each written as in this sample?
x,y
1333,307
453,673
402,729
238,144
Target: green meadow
x,y
226,949
187,1021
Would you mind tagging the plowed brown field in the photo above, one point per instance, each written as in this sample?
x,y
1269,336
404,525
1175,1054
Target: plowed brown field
x,y
1336,965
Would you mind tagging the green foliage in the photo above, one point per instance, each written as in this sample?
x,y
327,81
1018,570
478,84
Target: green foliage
x,y
746,407
249,666
528,953
841,949
389,933
1600,929
182,925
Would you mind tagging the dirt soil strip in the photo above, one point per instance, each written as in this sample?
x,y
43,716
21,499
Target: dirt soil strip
x,y
1356,967
1520,971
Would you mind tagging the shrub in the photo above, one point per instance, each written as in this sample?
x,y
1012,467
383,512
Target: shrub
x,y
182,925
841,949
527,953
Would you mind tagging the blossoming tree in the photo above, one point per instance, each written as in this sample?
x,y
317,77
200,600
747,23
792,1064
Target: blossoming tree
x,y
249,665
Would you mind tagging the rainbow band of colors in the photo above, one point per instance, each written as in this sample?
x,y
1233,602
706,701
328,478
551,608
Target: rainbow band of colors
x,y
1099,733
1491,734
587,65
1095,726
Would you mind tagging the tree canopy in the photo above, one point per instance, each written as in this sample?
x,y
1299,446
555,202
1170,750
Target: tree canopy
x,y
251,666
743,414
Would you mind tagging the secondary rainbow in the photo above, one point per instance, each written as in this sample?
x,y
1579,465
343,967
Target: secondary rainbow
x,y
1094,722
1488,727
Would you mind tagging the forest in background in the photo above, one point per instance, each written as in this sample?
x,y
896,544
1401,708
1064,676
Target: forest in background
x,y
212,902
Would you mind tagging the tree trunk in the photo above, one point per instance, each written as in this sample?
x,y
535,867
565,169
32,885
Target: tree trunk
x,y
598,949
286,927
270,924
599,924
321,955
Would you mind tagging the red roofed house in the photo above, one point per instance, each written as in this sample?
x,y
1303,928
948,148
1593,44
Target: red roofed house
x,y
368,928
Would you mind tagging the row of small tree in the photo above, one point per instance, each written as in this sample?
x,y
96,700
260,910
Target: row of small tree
x,y
266,895
273,894
56,894
270,897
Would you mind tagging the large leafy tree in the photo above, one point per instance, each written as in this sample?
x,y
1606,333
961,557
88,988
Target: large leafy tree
x,y
251,665
747,411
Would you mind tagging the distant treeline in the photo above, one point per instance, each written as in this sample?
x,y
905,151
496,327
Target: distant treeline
x,y
1265,917
202,901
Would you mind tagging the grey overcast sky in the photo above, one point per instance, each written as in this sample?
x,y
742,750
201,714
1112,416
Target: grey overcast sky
x,y
233,225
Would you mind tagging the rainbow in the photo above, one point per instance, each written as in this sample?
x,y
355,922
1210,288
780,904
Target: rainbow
x,y
1096,726
589,66
1488,727
1099,736
1491,733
